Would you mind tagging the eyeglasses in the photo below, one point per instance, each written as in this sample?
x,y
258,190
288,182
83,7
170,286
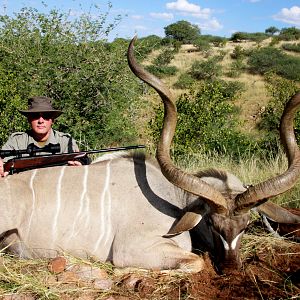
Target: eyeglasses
x,y
45,116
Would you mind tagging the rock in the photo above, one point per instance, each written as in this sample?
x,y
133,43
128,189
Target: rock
x,y
68,276
86,272
103,284
57,265
131,281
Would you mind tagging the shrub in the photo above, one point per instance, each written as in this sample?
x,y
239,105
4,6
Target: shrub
x,y
255,37
238,52
68,60
208,69
289,34
218,41
236,68
201,44
291,47
272,59
164,58
281,91
184,81
274,41
162,71
206,121
10,103
147,44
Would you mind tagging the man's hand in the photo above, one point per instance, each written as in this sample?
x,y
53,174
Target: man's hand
x,y
2,173
74,163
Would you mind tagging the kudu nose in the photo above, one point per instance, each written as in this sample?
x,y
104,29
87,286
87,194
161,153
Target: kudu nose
x,y
228,268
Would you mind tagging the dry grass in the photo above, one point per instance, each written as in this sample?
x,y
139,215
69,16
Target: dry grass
x,y
250,171
30,279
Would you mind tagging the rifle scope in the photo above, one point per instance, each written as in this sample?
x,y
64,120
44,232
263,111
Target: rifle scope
x,y
31,150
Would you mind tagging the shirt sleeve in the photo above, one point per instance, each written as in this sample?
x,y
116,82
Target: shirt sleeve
x,y
11,144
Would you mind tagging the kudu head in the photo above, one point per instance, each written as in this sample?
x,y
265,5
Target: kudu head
x,y
229,201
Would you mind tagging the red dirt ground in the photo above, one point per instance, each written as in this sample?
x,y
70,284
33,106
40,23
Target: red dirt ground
x,y
265,275
269,272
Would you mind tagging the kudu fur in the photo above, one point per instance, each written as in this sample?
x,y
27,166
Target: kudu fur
x,y
136,213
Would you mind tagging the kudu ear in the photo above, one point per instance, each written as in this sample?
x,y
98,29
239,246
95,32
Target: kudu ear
x,y
187,222
277,213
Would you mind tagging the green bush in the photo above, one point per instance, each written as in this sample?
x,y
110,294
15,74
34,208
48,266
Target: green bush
x,y
164,58
68,60
216,41
206,121
255,37
291,47
281,90
269,59
146,45
289,34
201,44
274,41
10,103
162,71
208,69
238,52
236,68
184,81
171,42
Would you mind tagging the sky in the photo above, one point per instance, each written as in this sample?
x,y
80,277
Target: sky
x,y
147,17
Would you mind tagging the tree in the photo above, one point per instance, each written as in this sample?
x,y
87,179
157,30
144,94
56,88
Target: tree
x,y
70,61
239,36
289,34
272,30
182,31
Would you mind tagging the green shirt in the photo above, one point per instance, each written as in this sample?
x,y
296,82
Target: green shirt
x,y
21,140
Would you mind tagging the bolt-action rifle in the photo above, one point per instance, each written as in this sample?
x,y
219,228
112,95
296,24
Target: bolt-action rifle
x,y
31,158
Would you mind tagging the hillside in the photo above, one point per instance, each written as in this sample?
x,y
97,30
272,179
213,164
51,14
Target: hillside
x,y
254,97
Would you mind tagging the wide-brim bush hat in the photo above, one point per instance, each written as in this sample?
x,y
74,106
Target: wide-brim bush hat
x,y
40,104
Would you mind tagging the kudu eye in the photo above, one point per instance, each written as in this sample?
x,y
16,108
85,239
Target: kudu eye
x,y
247,186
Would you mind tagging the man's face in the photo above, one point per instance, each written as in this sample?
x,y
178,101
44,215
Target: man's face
x,y
40,123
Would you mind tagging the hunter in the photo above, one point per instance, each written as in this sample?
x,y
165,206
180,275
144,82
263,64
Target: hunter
x,y
40,115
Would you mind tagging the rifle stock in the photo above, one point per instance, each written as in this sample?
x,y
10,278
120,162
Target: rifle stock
x,y
27,163
42,161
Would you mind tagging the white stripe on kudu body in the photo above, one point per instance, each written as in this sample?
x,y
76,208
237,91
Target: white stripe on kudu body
x,y
105,211
58,197
82,207
33,202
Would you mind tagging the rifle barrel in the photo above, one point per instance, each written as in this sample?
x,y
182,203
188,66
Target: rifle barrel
x,y
115,149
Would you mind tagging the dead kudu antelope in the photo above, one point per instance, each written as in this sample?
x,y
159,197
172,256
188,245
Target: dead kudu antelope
x,y
136,213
